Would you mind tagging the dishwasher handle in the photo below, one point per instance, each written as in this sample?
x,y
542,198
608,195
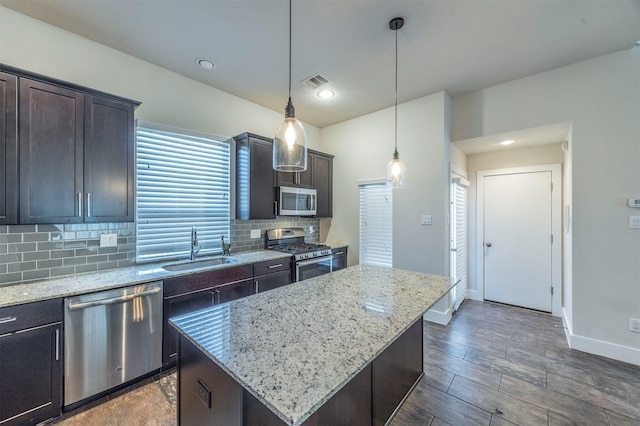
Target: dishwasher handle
x,y
112,300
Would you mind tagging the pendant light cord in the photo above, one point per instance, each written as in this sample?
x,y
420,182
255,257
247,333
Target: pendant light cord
x,y
290,50
396,99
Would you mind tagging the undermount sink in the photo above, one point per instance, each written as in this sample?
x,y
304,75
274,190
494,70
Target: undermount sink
x,y
195,264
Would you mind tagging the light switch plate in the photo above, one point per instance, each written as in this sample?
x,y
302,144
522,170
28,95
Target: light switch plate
x,y
634,222
425,219
108,240
255,233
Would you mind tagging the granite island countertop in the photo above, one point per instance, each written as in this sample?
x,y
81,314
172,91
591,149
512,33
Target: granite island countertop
x,y
16,294
294,347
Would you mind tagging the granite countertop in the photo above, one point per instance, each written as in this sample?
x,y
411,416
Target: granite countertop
x,y
17,294
294,347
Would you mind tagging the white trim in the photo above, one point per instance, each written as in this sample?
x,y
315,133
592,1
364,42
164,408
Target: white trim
x,y
600,347
556,227
453,169
475,295
438,317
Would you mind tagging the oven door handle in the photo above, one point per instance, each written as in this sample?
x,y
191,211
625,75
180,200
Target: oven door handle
x,y
315,260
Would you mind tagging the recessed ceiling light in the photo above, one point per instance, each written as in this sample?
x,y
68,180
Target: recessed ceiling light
x,y
326,94
206,64
507,142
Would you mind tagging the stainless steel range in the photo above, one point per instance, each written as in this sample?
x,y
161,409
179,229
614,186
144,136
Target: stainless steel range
x,y
310,259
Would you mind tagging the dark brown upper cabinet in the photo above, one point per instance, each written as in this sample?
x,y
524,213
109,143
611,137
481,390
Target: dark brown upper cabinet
x,y
109,161
51,142
319,175
8,149
255,195
76,153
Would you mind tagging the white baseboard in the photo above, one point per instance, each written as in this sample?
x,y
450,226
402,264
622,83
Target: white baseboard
x,y
475,295
599,347
438,317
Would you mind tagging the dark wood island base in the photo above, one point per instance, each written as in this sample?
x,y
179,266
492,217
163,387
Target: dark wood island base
x,y
208,395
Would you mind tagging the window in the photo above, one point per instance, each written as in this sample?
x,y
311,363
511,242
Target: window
x,y
376,224
458,239
182,181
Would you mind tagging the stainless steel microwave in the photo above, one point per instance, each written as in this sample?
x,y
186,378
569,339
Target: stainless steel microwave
x,y
296,201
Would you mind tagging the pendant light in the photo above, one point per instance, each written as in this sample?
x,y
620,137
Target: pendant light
x,y
396,168
290,141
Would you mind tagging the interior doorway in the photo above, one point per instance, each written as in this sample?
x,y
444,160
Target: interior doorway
x,y
519,236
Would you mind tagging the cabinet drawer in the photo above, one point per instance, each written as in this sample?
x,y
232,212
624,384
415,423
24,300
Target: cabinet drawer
x,y
202,280
19,317
270,266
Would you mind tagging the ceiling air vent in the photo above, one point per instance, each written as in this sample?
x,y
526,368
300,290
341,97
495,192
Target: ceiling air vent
x,y
315,81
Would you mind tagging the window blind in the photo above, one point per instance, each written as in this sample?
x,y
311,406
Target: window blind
x,y
458,240
376,224
182,181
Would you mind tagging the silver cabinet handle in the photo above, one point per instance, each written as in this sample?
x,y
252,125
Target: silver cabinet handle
x,y
57,344
275,204
275,266
88,204
216,296
79,204
7,319
257,287
336,254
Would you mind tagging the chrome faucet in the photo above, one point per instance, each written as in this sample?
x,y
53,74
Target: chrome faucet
x,y
195,247
226,248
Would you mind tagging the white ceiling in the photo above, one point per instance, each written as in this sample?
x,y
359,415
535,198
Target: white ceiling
x,y
524,138
452,45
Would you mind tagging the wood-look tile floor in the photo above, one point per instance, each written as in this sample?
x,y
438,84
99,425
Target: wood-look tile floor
x,y
492,365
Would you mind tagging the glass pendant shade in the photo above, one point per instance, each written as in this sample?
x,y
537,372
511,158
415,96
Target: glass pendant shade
x,y
396,170
290,146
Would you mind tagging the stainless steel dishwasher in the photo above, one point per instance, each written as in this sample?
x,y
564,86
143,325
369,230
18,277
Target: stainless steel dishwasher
x,y
111,337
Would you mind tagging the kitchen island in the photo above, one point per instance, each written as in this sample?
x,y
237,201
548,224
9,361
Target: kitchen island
x,y
344,347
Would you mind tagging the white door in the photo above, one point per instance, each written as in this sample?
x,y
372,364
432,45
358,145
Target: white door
x,y
518,239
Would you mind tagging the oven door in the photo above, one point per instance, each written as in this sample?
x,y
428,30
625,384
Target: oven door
x,y
312,268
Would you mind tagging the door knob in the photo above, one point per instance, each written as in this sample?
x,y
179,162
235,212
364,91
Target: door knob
x,y
488,244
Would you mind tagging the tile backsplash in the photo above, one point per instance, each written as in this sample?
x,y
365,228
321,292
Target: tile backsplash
x,y
36,252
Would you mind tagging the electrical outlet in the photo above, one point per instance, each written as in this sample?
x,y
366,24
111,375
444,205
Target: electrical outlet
x,y
634,325
255,233
425,219
108,240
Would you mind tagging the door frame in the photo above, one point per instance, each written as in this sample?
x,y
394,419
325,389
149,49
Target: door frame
x,y
556,226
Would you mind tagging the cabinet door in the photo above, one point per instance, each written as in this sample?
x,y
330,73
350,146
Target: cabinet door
x,y
286,178
271,281
229,292
177,306
323,182
108,161
339,259
51,161
8,149
31,375
254,178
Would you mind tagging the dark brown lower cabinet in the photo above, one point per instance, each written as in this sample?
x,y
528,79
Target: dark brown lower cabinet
x,y
208,395
271,281
30,364
339,258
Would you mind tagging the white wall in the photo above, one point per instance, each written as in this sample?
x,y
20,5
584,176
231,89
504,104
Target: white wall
x,y
508,158
567,241
601,98
457,157
167,98
363,146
